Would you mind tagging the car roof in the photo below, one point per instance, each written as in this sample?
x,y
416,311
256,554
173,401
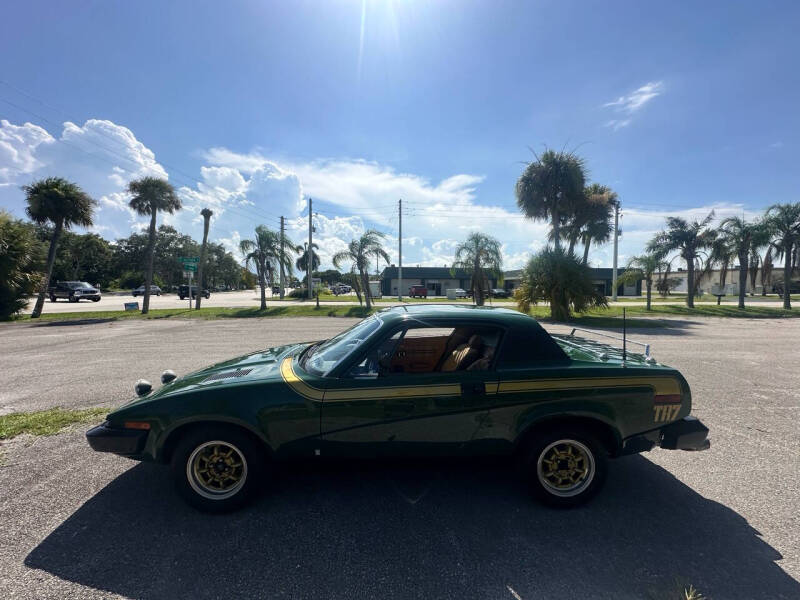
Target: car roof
x,y
432,311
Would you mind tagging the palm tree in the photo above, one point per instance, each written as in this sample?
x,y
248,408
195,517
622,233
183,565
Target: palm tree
x,y
302,261
151,195
599,222
689,240
360,252
264,251
63,204
644,267
206,213
551,188
480,255
783,220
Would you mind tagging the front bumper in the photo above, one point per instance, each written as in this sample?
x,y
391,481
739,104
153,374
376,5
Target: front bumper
x,y
685,434
126,442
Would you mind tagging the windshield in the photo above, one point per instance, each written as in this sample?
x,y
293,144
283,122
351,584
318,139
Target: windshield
x,y
320,359
75,285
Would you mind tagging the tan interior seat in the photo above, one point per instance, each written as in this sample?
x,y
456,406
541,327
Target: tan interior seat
x,y
464,355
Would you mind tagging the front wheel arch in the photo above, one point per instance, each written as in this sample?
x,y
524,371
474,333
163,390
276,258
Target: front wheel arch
x,y
174,436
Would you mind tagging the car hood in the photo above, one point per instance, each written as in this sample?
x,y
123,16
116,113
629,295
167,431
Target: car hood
x,y
263,365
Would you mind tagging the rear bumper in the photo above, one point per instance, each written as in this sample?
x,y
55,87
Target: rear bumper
x,y
125,442
686,434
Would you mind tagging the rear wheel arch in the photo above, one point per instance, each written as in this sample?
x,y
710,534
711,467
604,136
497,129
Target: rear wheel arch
x,y
605,433
174,436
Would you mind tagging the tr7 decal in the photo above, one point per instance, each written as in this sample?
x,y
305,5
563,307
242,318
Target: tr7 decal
x,y
665,412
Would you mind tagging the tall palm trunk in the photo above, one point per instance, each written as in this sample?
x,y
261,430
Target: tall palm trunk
x,y
586,251
151,251
203,249
690,282
51,259
649,283
742,278
263,285
556,230
787,277
572,241
365,285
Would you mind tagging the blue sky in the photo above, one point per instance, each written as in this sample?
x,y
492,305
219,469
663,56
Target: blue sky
x,y
249,106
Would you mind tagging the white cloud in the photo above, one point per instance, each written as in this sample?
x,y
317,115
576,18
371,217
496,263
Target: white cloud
x,y
632,103
18,144
245,190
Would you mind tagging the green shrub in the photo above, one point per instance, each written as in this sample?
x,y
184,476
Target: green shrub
x,y
20,262
559,278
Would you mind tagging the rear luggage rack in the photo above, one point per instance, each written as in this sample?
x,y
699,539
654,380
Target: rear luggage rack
x,y
623,339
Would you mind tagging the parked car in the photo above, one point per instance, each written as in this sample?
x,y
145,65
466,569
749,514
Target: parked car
x,y
418,291
499,293
276,290
183,292
74,291
459,292
794,287
417,380
338,289
154,291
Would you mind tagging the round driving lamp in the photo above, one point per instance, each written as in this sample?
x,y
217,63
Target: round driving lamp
x,y
143,387
168,376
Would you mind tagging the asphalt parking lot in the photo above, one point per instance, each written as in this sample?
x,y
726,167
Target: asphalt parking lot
x,y
80,524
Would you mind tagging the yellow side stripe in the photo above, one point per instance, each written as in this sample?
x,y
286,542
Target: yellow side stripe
x,y
661,385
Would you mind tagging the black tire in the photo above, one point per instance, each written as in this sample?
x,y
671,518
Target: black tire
x,y
52,298
579,477
206,443
73,298
95,299
183,297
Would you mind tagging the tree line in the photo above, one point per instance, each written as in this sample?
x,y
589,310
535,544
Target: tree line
x,y
553,188
43,250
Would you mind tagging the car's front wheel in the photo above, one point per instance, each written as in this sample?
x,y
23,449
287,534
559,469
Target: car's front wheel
x,y
217,469
52,298
566,467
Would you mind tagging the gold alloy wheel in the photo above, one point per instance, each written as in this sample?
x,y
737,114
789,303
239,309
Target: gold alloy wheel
x,y
565,468
216,470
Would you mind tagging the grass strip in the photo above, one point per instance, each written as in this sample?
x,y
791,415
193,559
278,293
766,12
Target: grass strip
x,y
609,317
46,422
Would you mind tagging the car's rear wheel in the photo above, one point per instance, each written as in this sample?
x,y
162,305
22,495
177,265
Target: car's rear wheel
x,y
566,467
73,299
52,298
217,468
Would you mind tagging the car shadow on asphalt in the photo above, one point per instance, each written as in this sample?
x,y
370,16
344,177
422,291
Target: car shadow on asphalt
x,y
410,530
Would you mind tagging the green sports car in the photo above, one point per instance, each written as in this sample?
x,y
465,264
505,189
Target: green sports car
x,y
418,380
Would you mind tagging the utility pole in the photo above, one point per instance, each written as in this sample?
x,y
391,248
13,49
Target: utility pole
x,y
309,252
283,256
400,250
616,244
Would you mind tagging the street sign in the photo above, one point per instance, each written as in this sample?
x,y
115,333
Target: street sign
x,y
131,305
189,267
190,259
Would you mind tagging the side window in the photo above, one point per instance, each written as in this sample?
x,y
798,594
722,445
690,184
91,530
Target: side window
x,y
376,362
445,350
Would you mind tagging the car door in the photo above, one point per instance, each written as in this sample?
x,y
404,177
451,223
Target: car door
x,y
408,406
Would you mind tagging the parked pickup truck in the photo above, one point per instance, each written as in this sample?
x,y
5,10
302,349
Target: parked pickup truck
x,y
418,291
73,291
